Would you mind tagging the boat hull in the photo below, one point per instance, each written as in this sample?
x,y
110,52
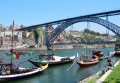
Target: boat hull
x,y
87,63
22,75
37,64
117,53
106,57
51,62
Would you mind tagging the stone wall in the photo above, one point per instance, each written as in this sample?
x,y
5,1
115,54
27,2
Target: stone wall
x,y
92,77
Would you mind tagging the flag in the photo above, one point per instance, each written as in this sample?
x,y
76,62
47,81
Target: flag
x,y
15,56
77,55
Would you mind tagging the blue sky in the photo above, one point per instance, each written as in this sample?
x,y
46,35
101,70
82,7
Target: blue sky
x,y
31,12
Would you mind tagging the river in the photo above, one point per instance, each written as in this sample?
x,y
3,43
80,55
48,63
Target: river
x,y
58,74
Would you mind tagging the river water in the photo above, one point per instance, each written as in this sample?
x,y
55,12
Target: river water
x,y
58,74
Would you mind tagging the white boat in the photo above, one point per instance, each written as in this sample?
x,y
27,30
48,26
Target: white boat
x,y
52,60
20,72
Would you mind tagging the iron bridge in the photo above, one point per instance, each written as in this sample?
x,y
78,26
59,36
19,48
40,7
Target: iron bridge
x,y
64,23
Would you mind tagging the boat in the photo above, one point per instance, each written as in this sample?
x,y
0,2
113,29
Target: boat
x,y
16,51
18,72
98,53
105,57
117,53
9,71
51,60
101,56
87,63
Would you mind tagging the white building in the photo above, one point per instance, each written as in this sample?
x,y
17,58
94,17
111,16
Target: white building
x,y
8,33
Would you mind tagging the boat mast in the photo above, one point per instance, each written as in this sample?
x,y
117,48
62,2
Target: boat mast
x,y
88,27
52,48
12,45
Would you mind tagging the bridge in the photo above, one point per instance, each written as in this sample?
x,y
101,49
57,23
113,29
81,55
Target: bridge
x,y
64,23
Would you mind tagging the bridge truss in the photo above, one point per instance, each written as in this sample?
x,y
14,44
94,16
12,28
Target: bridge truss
x,y
64,23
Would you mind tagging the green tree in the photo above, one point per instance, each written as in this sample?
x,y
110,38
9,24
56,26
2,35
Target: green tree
x,y
86,30
38,32
36,35
41,34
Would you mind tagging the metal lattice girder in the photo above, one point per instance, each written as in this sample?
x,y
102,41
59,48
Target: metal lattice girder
x,y
53,35
102,14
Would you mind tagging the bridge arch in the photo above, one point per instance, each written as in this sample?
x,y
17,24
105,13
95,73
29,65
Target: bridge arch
x,y
53,35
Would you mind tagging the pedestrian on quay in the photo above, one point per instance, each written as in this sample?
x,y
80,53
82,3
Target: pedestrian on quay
x,y
108,66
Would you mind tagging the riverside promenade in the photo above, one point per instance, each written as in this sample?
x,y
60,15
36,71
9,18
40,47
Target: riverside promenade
x,y
95,77
38,48
108,73
21,48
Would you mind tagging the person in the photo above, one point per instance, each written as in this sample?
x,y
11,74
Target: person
x,y
110,65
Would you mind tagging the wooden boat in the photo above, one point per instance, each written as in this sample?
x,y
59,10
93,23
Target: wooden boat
x,y
20,72
105,57
117,53
98,53
8,71
53,60
87,63
16,51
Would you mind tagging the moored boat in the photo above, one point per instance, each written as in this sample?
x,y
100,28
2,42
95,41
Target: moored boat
x,y
52,60
106,57
117,53
19,72
101,56
87,63
9,71
16,51
97,53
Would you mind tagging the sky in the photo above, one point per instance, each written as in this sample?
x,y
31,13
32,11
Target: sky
x,y
31,12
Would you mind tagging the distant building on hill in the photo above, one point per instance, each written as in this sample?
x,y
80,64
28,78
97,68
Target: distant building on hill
x,y
15,27
2,26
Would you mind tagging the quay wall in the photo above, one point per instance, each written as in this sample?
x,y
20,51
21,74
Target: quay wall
x,y
59,47
92,77
97,75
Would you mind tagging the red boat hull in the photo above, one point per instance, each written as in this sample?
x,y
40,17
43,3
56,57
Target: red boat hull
x,y
88,63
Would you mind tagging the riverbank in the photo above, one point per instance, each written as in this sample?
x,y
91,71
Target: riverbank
x,y
92,78
59,47
99,77
108,74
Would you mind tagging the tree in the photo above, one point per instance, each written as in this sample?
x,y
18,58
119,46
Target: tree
x,y
41,35
86,30
38,33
